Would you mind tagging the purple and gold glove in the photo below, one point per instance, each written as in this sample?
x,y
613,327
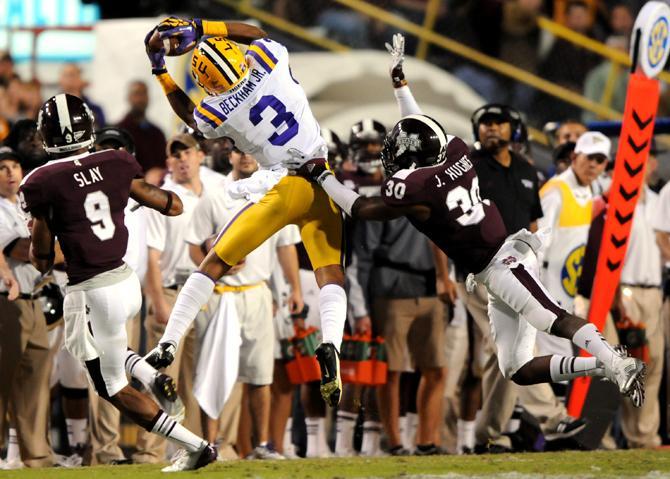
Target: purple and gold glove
x,y
157,58
188,32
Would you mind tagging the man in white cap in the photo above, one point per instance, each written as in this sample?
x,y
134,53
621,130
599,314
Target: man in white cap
x,y
567,203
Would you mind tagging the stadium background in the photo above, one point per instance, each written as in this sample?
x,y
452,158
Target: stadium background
x,y
345,78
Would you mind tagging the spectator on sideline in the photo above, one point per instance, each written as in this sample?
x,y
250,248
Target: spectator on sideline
x,y
642,299
24,346
149,139
71,82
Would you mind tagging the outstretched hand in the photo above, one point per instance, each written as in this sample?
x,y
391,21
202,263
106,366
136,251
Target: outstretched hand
x,y
397,51
156,55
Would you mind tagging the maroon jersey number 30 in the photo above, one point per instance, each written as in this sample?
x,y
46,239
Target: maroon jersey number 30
x,y
82,199
465,226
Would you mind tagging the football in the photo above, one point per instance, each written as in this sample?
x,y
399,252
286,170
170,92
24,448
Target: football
x,y
170,44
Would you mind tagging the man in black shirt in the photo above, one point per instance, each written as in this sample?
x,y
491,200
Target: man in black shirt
x,y
505,177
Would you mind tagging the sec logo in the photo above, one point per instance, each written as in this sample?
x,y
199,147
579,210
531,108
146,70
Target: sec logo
x,y
658,42
653,27
572,270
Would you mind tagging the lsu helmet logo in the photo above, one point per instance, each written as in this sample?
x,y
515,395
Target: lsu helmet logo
x,y
572,270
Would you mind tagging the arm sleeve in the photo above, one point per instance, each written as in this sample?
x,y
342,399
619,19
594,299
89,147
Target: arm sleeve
x,y
406,102
156,230
339,193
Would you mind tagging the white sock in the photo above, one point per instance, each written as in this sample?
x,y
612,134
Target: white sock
x,y
13,453
371,435
410,431
324,450
312,426
333,309
564,368
466,435
589,338
402,429
192,297
168,428
344,440
77,432
138,368
289,449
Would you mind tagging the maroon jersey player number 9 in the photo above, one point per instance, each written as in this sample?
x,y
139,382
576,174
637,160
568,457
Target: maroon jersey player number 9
x,y
82,198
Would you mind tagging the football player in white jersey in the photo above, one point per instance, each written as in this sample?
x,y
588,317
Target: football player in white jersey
x,y
254,100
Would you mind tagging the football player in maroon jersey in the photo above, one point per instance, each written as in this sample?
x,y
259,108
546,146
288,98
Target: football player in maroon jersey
x,y
431,180
79,197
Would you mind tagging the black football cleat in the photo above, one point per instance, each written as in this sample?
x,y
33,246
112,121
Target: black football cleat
x,y
165,392
331,382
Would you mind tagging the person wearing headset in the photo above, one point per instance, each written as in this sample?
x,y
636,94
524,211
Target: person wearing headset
x,y
505,176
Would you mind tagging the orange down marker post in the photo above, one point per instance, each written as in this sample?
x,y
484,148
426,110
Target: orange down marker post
x,y
634,142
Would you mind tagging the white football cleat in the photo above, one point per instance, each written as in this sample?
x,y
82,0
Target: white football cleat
x,y
625,372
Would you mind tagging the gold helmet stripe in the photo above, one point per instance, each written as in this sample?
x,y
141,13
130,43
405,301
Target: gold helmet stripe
x,y
221,62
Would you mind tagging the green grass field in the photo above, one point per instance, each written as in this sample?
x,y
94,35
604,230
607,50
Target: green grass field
x,y
652,464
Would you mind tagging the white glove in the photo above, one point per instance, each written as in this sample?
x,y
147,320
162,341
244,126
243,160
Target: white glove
x,y
295,160
397,52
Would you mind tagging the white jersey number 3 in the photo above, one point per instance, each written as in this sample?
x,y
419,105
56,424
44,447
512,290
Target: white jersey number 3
x,y
469,202
99,214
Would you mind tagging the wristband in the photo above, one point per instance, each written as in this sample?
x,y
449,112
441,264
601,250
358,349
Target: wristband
x,y
167,82
398,77
214,29
168,206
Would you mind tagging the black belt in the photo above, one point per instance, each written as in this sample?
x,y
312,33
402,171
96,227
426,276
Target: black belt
x,y
174,287
24,295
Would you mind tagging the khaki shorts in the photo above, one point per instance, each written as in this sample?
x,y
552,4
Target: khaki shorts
x,y
254,309
412,328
